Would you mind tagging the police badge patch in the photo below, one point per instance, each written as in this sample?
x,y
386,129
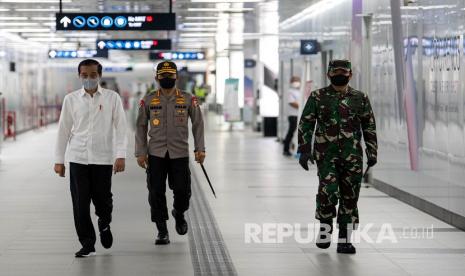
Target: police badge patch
x,y
195,101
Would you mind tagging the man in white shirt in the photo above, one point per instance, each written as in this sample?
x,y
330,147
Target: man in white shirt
x,y
92,120
293,113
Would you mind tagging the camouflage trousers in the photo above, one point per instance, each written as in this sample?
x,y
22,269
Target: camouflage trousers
x,y
340,181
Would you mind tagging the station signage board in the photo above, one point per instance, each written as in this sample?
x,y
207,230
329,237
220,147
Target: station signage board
x,y
177,55
115,21
67,54
309,47
134,44
249,63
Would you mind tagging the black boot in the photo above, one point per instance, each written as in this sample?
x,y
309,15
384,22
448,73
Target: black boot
x,y
162,237
181,223
324,237
344,246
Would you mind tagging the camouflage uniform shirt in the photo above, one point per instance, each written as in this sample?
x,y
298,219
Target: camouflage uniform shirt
x,y
340,119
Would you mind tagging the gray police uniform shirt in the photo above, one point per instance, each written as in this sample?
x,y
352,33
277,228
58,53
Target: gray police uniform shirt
x,y
168,120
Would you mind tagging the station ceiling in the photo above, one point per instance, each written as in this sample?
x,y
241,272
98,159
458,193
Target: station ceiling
x,y
35,20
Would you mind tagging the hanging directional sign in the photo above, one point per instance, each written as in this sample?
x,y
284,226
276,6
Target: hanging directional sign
x,y
134,44
309,47
54,54
115,21
177,55
249,63
117,69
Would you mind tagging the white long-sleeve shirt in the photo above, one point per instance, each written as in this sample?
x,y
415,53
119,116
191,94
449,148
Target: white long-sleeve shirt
x,y
91,127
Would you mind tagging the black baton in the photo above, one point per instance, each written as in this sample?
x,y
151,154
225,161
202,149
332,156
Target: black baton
x,y
208,179
366,171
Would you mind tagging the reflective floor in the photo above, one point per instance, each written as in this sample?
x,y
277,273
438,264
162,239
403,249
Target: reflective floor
x,y
256,187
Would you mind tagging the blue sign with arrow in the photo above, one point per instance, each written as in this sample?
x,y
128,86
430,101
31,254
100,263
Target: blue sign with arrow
x,y
134,44
115,21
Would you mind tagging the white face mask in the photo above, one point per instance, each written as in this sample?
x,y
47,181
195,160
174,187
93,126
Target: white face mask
x,y
295,84
90,84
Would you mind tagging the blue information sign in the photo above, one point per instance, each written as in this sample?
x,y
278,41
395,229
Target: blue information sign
x,y
115,21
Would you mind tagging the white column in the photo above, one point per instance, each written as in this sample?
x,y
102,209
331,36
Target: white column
x,y
222,53
236,49
268,54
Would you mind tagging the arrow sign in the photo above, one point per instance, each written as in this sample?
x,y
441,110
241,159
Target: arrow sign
x,y
52,54
115,21
65,21
309,47
101,45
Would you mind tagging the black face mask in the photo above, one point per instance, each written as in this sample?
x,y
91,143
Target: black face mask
x,y
339,80
167,83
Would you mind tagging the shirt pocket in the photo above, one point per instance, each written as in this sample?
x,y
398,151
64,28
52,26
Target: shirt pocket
x,y
180,116
156,116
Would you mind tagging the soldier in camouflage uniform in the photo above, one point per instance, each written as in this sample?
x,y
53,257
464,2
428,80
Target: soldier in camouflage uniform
x,y
341,115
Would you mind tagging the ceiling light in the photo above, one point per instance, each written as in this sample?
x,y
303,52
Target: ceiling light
x,y
47,39
201,18
199,29
226,1
3,24
199,24
26,30
38,34
309,12
43,18
13,18
432,7
46,10
33,1
219,10
197,35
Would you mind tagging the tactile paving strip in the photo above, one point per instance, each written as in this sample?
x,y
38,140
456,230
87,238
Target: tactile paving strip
x,y
208,251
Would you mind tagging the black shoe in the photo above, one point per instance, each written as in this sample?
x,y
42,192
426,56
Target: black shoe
x,y
344,246
162,238
287,154
323,241
181,223
106,238
85,252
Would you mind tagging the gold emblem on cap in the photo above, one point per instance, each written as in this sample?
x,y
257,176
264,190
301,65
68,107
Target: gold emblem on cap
x,y
156,122
166,64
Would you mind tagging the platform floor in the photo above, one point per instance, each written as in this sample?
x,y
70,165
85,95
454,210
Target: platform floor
x,y
255,185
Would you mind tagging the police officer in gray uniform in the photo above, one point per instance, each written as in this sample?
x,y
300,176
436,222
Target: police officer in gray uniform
x,y
166,153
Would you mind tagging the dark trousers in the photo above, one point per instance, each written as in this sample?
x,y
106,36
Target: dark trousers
x,y
179,180
290,132
90,183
